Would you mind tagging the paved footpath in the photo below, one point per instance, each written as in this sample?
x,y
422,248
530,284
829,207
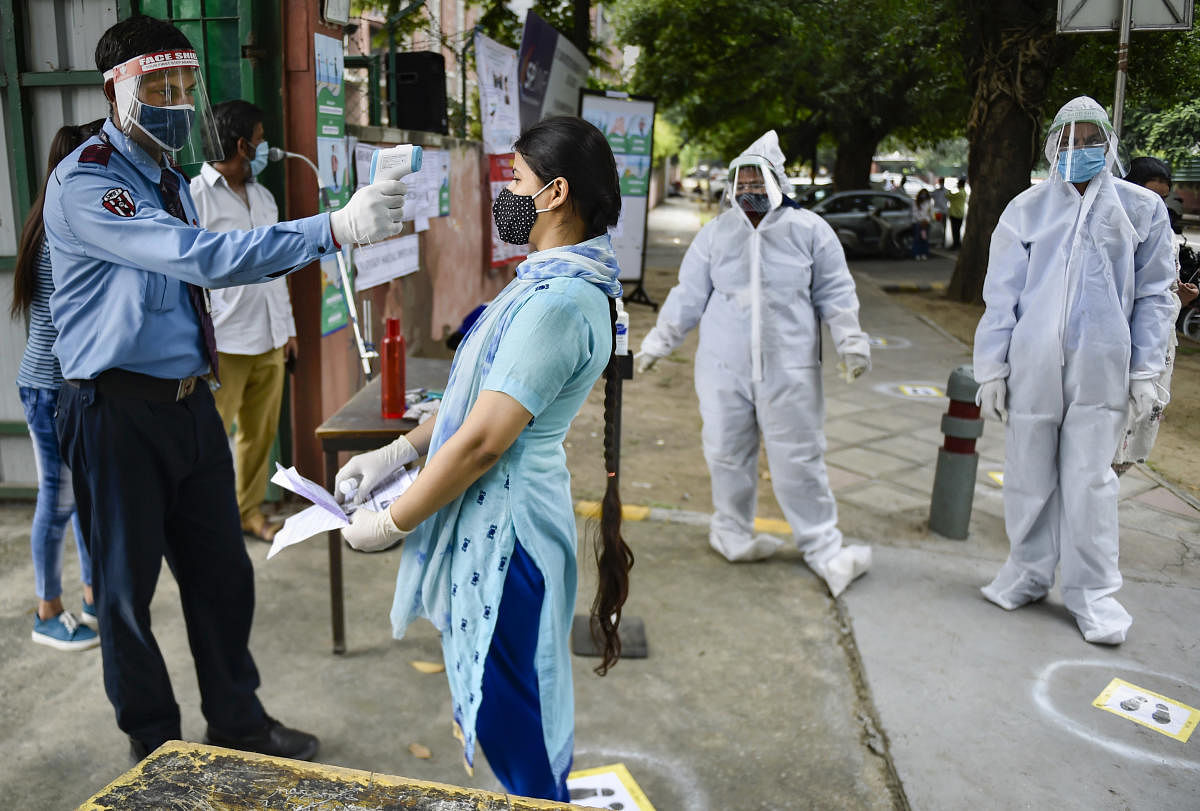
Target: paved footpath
x,y
980,706
760,692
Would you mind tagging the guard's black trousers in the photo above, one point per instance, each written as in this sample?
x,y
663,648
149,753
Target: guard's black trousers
x,y
155,480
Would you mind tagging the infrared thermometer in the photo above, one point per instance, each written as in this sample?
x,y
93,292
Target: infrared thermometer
x,y
395,162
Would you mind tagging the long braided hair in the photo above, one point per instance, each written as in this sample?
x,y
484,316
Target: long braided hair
x,y
571,148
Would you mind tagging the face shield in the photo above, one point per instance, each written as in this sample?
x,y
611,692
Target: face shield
x,y
752,186
1082,142
161,96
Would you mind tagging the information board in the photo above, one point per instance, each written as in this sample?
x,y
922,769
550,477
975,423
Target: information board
x,y
628,124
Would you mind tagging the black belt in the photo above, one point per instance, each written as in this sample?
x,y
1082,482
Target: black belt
x,y
123,383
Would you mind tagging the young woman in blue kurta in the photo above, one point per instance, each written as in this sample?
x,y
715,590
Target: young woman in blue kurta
x,y
491,559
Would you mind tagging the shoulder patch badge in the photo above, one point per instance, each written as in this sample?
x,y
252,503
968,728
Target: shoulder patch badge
x,y
119,202
96,153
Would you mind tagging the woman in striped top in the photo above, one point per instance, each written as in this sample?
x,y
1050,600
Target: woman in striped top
x,y
38,381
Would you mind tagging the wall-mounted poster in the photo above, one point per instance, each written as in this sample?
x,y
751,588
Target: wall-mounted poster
x,y
333,164
628,124
499,105
500,175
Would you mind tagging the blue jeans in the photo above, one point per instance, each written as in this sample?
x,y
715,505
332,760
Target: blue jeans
x,y
55,498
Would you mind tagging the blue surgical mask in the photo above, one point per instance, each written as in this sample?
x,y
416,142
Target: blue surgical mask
x,y
1086,163
170,127
259,161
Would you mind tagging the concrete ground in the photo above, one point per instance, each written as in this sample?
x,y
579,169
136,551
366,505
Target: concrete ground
x,y
760,691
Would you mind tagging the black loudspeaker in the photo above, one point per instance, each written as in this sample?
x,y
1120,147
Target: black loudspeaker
x,y
419,92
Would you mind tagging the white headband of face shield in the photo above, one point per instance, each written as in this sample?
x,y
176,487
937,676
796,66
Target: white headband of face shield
x,y
168,125
770,182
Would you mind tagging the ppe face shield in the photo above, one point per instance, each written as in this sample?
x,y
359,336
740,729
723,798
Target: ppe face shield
x,y
161,97
752,187
1081,143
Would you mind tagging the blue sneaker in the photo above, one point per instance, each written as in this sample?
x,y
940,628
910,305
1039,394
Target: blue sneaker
x,y
88,615
64,632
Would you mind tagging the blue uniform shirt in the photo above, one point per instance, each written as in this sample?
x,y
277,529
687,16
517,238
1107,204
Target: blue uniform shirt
x,y
121,262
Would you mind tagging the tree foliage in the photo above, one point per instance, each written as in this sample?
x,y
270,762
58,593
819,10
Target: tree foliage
x,y
731,69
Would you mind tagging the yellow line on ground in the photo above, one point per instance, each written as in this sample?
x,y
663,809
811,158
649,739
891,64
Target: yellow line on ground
x,y
629,512
636,512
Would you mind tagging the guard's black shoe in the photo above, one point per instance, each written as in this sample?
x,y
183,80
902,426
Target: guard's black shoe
x,y
138,750
273,739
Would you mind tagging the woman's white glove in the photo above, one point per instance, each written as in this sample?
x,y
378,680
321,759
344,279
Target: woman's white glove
x,y
375,212
1142,397
645,361
373,532
853,366
990,399
366,471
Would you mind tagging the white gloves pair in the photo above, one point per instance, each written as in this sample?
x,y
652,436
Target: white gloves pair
x,y
645,361
362,474
375,212
853,366
990,398
1143,396
372,531
992,395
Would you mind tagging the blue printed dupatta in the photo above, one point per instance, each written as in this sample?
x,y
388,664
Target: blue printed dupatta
x,y
470,540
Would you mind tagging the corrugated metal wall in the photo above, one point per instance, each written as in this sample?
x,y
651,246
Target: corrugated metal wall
x,y
56,35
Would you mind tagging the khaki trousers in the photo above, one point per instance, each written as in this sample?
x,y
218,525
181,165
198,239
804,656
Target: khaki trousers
x,y
250,396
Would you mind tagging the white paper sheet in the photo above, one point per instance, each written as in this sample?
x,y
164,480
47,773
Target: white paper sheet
x,y
326,514
303,525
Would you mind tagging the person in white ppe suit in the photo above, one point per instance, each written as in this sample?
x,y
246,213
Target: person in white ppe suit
x,y
758,279
1078,295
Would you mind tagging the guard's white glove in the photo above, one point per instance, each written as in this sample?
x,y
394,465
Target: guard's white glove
x,y
1142,397
375,212
990,398
645,361
364,472
371,532
853,366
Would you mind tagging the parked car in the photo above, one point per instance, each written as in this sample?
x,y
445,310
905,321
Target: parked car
x,y
870,221
809,195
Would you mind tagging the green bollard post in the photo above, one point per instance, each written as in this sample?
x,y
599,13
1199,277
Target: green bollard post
x,y
954,480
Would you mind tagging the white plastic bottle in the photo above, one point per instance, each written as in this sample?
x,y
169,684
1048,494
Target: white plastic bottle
x,y
621,347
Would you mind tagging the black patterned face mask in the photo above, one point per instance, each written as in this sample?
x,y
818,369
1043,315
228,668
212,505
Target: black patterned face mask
x,y
514,215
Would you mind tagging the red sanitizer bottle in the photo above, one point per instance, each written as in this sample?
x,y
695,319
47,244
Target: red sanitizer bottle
x,y
391,357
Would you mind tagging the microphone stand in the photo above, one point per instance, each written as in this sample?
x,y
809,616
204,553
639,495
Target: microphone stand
x,y
365,352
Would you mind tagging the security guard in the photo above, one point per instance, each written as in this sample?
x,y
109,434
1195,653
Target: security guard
x,y
153,475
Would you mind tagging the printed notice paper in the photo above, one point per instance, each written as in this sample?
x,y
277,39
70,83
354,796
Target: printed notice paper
x,y
326,514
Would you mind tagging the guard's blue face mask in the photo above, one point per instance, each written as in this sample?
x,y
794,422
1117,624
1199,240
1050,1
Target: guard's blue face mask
x,y
1086,163
259,161
169,126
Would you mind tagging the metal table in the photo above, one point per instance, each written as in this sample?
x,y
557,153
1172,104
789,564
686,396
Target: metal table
x,y
359,426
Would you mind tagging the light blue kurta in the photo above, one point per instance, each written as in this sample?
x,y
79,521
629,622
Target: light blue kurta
x,y
544,341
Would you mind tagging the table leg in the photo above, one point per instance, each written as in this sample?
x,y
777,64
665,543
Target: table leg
x,y
335,565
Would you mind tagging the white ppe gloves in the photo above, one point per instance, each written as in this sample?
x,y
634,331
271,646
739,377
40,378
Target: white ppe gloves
x,y
362,474
373,532
375,212
645,361
853,366
1142,398
991,398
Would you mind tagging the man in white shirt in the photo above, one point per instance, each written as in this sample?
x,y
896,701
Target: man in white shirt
x,y
254,327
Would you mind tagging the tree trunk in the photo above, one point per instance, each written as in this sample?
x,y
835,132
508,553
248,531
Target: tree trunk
x,y
1011,53
581,32
852,166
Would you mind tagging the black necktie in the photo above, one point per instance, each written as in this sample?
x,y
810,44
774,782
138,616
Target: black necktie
x,y
168,184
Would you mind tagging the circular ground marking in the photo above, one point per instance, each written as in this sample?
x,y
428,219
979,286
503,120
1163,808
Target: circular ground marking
x,y
1077,715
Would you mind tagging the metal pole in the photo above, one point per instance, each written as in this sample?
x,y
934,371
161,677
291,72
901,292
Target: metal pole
x,y
1122,65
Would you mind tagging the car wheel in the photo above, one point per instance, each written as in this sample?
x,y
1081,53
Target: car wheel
x,y
1190,324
